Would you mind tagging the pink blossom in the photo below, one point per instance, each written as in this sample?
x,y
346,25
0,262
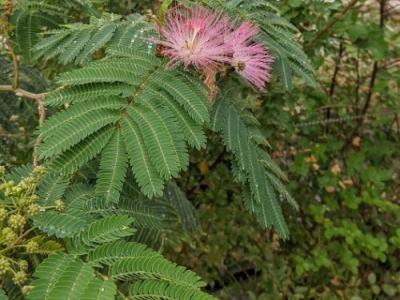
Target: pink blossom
x,y
195,36
242,35
207,40
251,60
253,63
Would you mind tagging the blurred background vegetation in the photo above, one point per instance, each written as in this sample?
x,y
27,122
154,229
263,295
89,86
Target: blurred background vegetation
x,y
338,143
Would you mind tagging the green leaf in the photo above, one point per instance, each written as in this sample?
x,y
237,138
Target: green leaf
x,y
60,224
113,166
108,229
62,277
153,268
145,173
156,290
281,66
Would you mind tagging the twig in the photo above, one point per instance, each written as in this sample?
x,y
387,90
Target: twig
x,y
358,80
368,97
21,92
333,82
330,24
15,66
12,135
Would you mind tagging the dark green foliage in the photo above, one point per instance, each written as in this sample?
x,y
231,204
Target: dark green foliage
x,y
262,188
64,276
78,42
122,128
156,149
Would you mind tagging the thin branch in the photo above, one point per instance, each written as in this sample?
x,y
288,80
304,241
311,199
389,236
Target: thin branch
x,y
15,66
21,92
9,135
368,98
332,22
358,79
333,81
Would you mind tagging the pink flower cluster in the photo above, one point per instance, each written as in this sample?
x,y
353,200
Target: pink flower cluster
x,y
208,40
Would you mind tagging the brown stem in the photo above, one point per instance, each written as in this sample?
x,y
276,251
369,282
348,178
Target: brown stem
x,y
12,135
330,24
333,82
368,98
21,93
358,80
15,67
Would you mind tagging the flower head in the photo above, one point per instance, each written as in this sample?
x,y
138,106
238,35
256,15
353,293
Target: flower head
x,y
242,35
207,40
251,60
253,63
195,36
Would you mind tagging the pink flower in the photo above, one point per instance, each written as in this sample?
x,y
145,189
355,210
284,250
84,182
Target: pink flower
x,y
207,40
251,60
242,35
195,36
253,63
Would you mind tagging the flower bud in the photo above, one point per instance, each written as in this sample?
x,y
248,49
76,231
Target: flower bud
x,y
59,205
32,247
19,277
33,210
16,221
4,265
9,235
2,171
3,214
23,265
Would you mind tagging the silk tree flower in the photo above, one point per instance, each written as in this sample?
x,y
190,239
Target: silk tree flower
x,y
195,36
250,60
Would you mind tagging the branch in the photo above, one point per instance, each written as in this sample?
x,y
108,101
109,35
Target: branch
x,y
368,98
21,92
330,24
9,135
333,82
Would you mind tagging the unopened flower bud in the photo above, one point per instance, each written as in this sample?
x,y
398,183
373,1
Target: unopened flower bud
x,y
19,277
4,266
3,214
2,171
23,265
8,234
59,205
32,247
39,170
17,221
33,210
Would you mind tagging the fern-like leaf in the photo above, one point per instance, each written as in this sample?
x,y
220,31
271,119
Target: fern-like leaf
x,y
108,229
113,166
60,224
262,188
62,277
145,173
52,188
156,290
109,253
153,268
156,110
74,158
